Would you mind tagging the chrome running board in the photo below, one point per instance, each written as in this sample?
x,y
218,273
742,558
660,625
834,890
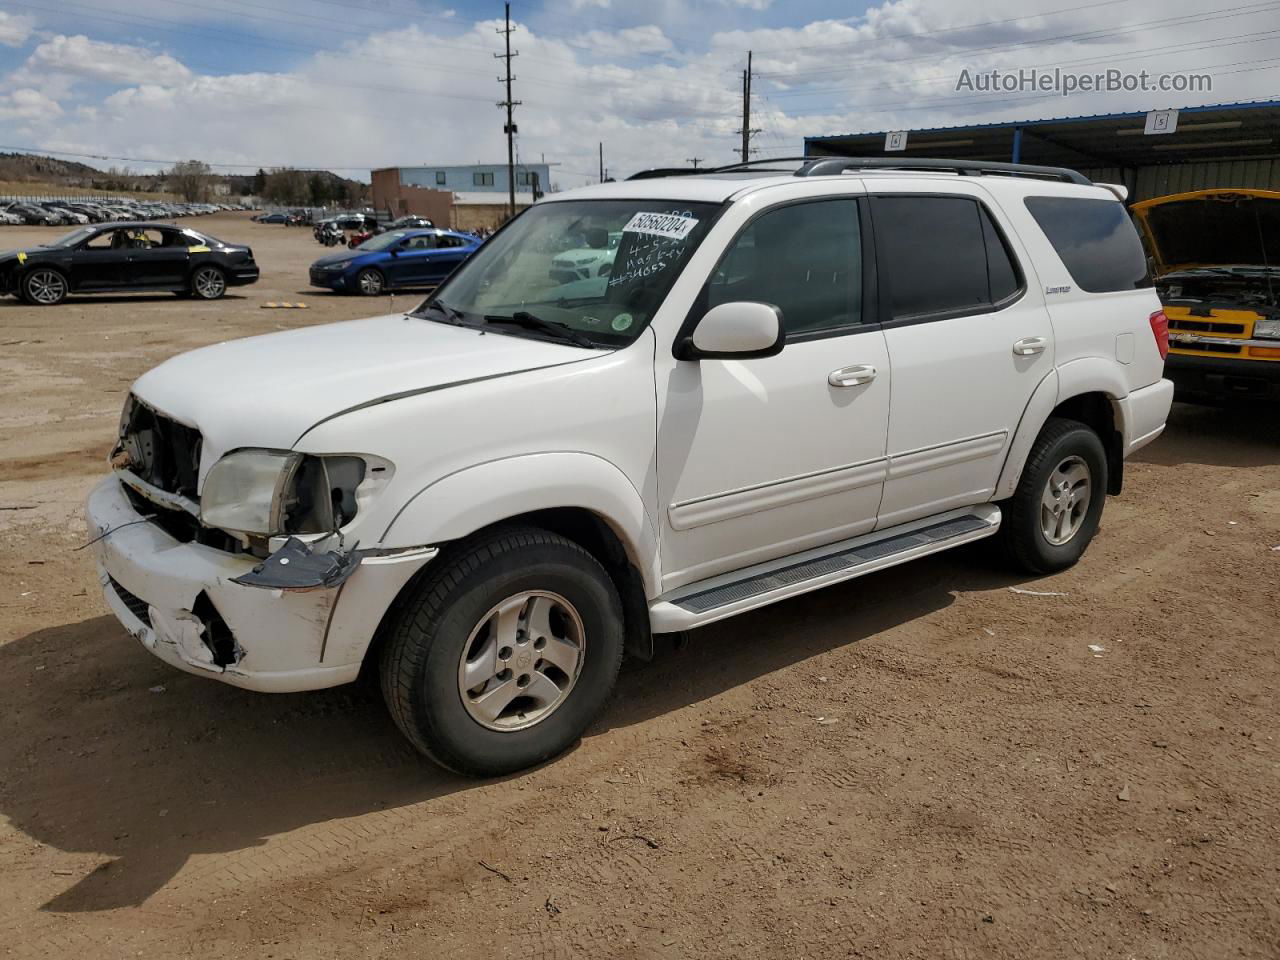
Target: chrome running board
x,y
716,598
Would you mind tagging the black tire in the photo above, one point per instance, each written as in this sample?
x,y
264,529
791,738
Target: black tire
x,y
1026,543
43,286
423,652
208,282
370,282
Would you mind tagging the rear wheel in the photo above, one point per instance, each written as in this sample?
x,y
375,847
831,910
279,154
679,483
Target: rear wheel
x,y
1054,513
208,283
505,654
44,287
370,282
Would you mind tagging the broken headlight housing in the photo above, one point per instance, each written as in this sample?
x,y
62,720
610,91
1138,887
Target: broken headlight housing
x,y
273,492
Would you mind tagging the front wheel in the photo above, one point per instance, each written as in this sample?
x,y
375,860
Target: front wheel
x,y
1054,513
208,283
370,282
505,654
44,287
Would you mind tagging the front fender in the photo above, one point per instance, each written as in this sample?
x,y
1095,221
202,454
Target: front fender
x,y
475,497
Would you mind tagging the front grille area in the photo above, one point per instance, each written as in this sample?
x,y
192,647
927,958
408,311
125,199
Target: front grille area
x,y
137,606
162,451
1201,347
1205,326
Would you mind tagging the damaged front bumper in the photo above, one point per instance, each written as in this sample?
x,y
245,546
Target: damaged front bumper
x,y
180,601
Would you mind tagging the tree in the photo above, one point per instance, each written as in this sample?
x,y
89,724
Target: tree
x,y
259,183
190,179
285,185
320,188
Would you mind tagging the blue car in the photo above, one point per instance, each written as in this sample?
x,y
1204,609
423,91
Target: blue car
x,y
397,258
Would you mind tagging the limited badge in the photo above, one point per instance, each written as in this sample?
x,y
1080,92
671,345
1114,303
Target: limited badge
x,y
622,322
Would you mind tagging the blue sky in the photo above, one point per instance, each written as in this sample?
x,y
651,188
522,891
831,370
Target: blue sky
x,y
349,84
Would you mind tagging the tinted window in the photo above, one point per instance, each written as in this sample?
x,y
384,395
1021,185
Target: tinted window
x,y
1001,272
932,255
805,259
1096,241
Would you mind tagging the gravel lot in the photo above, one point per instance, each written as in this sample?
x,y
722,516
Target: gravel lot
x,y
924,763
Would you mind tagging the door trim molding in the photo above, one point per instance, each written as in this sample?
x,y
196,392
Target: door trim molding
x,y
772,494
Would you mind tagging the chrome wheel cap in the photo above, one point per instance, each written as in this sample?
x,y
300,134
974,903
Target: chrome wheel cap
x,y
1065,501
521,660
370,283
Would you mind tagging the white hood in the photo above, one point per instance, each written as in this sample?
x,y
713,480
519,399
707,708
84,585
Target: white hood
x,y
268,391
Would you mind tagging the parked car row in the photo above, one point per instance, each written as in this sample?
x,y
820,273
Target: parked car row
x,y
53,213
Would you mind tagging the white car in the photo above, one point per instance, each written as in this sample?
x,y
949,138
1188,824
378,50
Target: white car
x,y
586,263
787,381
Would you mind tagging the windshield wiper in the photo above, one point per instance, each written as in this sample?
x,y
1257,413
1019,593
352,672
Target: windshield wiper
x,y
454,317
522,318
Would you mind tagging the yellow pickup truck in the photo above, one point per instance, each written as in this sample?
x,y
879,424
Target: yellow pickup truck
x,y
1215,256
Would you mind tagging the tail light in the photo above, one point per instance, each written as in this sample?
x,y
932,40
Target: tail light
x,y
1160,330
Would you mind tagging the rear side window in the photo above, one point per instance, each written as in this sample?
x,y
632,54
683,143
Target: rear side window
x,y
941,257
1096,241
805,258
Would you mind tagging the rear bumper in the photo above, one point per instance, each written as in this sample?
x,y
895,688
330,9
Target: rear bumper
x,y
239,276
1223,378
284,641
1144,413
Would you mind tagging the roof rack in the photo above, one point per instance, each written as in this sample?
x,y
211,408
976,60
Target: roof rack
x,y
831,166
827,166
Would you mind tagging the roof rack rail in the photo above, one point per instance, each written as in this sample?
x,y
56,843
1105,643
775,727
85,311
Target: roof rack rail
x,y
828,166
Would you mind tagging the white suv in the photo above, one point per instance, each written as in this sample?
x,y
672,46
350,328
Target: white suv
x,y
787,380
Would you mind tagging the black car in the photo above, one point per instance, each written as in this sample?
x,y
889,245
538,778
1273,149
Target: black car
x,y
119,257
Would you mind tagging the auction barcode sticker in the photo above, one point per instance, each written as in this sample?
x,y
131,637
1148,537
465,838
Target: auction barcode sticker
x,y
671,225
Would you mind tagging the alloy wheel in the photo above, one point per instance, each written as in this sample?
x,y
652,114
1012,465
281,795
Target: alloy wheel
x,y
209,283
371,283
46,286
521,660
1065,500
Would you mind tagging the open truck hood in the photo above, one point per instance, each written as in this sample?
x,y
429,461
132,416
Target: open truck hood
x,y
268,391
1212,228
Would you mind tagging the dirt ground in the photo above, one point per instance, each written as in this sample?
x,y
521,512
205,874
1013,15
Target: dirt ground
x,y
923,763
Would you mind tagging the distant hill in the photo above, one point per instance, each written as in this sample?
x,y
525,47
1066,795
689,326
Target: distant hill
x,y
27,173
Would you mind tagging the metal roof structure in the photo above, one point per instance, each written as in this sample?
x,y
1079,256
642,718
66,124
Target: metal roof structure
x,y
1230,144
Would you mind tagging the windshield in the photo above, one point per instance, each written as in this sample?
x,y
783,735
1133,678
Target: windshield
x,y
600,268
72,238
383,240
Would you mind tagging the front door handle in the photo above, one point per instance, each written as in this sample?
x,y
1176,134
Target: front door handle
x,y
853,376
1030,346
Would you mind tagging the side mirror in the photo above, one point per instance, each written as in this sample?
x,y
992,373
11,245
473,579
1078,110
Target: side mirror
x,y
739,330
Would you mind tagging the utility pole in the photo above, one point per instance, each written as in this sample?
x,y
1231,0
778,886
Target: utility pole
x,y
694,160
602,162
510,105
746,131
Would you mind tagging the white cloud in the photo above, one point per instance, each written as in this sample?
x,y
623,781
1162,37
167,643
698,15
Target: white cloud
x,y
28,104
112,63
630,42
15,29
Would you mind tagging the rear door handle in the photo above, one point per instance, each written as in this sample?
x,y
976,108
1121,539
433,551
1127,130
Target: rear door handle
x,y
852,376
1030,346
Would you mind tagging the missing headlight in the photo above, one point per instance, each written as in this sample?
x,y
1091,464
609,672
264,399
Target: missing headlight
x,y
322,494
